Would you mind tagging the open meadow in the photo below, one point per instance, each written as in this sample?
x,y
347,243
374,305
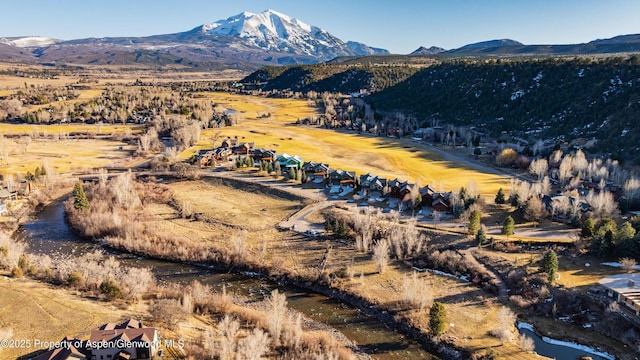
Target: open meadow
x,y
342,150
25,154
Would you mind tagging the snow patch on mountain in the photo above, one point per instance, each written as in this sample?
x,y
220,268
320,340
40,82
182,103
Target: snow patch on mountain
x,y
274,31
271,30
28,41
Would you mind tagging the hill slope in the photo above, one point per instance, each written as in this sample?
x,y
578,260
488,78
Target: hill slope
x,y
542,99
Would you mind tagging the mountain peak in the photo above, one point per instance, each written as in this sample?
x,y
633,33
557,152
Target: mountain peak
x,y
271,30
427,51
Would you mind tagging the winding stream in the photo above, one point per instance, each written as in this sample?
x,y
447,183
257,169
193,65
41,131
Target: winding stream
x,y
49,234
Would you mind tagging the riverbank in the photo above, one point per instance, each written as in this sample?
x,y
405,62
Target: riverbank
x,y
288,258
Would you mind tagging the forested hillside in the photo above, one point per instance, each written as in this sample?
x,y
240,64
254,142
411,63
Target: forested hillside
x,y
564,98
329,77
571,98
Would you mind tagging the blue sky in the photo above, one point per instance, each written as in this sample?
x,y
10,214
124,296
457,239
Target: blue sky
x,y
400,26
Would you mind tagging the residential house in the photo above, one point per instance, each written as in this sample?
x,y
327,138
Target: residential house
x,y
243,149
341,177
5,195
229,143
439,201
264,155
625,289
399,189
130,340
427,194
287,162
372,185
316,172
204,158
221,154
69,349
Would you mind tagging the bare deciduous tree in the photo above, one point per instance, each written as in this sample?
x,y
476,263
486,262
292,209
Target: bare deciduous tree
x,y
539,168
417,291
628,264
527,343
277,310
227,330
505,329
381,254
254,346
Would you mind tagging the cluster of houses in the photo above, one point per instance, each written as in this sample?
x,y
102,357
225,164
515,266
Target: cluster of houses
x,y
229,148
130,340
375,187
341,182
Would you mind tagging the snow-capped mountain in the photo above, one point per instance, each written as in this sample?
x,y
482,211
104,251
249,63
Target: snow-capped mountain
x,y
28,41
245,41
273,31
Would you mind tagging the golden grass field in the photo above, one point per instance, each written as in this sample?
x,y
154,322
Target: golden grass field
x,y
382,156
49,314
471,311
62,155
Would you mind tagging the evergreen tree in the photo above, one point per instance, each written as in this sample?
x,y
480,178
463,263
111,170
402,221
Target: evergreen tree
x,y
626,231
500,197
481,237
514,199
292,173
437,319
608,225
269,167
508,226
550,265
303,178
588,229
80,201
474,222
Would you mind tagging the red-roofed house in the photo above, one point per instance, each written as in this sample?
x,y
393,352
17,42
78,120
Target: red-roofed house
x,y
127,341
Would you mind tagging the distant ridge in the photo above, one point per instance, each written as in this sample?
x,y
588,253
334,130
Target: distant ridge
x,y
492,43
427,51
248,41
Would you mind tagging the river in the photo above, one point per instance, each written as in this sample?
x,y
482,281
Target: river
x,y
49,234
560,350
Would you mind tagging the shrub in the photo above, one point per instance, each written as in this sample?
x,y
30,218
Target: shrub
x,y
75,279
16,272
110,289
168,311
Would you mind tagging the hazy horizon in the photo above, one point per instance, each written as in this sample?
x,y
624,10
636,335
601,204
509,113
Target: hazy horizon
x,y
399,27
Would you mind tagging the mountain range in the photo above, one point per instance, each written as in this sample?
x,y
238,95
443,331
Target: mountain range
x,y
245,41
248,41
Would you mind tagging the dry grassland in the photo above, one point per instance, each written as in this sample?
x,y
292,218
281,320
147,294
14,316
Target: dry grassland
x,y
383,156
472,312
573,272
29,129
63,155
248,207
49,314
